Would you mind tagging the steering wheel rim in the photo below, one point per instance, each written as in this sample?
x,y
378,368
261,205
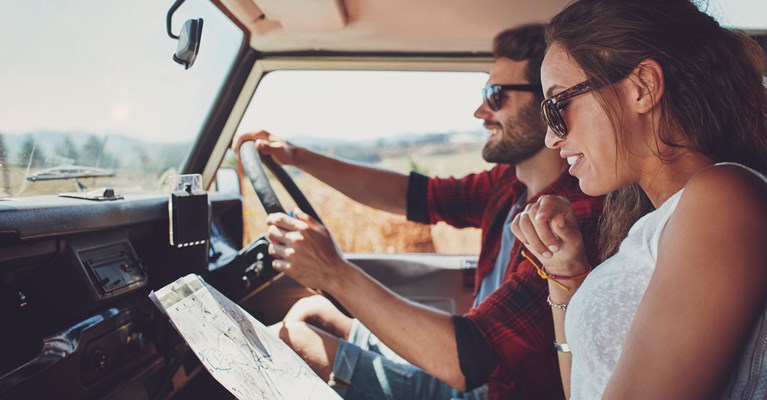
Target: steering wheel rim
x,y
252,162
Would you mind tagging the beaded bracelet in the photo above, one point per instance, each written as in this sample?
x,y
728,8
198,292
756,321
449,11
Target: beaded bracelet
x,y
561,306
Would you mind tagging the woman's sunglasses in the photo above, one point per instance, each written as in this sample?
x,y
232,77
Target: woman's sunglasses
x,y
493,94
551,108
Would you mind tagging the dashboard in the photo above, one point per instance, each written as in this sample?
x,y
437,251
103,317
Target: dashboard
x,y
74,279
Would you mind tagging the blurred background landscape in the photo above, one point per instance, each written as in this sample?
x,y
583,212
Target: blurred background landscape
x,y
141,165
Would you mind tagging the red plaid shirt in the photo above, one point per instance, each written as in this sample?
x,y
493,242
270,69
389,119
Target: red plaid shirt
x,y
515,320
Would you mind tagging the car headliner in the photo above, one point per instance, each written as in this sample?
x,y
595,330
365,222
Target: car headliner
x,y
442,26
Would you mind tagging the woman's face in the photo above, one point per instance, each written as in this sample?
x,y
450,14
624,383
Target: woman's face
x,y
589,146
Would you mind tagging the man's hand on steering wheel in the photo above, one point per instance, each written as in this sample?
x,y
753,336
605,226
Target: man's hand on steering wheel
x,y
304,249
281,151
320,244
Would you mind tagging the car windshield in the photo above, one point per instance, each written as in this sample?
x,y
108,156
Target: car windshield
x,y
92,97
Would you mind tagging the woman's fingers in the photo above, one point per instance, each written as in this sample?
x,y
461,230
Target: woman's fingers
x,y
567,231
545,226
544,230
537,234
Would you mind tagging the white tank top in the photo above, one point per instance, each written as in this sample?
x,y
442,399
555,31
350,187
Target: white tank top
x,y
600,314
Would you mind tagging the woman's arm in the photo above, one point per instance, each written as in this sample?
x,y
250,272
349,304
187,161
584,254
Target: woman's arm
x,y
549,230
559,300
708,288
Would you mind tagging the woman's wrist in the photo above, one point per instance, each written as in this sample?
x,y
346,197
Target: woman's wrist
x,y
577,269
562,291
563,281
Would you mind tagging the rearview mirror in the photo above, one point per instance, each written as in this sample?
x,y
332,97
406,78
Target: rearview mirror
x,y
188,39
188,42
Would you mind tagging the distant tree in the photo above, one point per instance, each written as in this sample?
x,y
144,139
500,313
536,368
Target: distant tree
x,y
89,155
171,155
3,149
68,149
4,165
147,163
30,153
108,160
94,155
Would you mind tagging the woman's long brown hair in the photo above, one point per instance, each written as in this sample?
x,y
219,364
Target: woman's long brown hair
x,y
713,77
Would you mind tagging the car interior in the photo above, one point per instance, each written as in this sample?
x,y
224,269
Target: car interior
x,y
77,265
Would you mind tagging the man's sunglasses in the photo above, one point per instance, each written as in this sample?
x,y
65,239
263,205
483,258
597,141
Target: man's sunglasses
x,y
551,108
492,94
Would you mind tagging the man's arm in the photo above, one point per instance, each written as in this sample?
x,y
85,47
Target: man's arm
x,y
375,187
426,337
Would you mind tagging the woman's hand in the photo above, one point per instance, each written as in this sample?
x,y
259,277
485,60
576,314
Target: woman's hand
x,y
304,249
549,230
267,144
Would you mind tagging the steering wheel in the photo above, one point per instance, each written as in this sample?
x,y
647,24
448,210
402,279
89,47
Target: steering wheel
x,y
252,162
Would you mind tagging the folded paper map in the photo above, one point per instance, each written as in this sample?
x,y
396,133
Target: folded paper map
x,y
237,349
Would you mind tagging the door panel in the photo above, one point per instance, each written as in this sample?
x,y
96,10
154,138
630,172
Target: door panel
x,y
441,281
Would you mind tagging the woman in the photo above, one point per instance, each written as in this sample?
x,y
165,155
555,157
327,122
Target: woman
x,y
654,101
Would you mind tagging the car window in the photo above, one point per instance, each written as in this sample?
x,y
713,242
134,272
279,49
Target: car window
x,y
748,15
405,121
90,89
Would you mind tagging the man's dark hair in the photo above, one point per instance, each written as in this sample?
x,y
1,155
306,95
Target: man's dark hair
x,y
523,43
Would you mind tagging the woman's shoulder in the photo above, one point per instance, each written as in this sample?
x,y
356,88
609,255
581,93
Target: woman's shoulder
x,y
726,189
720,221
727,179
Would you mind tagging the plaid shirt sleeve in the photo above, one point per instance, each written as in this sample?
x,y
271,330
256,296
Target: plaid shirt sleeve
x,y
515,320
460,202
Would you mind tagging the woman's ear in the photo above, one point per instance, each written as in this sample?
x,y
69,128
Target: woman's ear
x,y
648,85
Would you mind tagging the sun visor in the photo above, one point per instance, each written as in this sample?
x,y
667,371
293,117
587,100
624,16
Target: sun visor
x,y
305,15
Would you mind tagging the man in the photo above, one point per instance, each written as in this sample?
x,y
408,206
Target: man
x,y
506,338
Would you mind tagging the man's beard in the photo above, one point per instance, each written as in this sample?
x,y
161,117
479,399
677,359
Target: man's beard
x,y
521,138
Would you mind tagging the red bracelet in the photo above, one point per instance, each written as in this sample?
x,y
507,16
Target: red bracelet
x,y
554,278
574,277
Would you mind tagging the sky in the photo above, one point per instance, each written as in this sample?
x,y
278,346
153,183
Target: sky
x,y
104,66
742,14
364,105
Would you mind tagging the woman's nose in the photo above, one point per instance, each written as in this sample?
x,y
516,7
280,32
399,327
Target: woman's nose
x,y
553,141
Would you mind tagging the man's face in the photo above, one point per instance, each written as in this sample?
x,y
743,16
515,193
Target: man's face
x,y
516,130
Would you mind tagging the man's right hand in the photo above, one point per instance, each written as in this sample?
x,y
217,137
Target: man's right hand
x,y
267,144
